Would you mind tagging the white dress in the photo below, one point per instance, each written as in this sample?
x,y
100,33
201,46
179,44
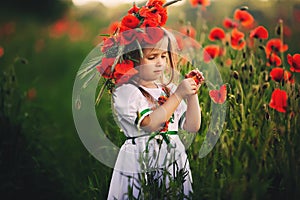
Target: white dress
x,y
140,153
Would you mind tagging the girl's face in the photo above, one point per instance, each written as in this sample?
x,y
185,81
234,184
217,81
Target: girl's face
x,y
154,61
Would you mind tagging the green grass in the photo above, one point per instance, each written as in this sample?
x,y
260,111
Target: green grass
x,y
42,157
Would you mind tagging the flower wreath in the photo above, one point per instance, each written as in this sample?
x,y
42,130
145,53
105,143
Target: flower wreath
x,y
141,26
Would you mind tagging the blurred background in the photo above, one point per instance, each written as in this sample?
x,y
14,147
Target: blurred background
x,y
42,45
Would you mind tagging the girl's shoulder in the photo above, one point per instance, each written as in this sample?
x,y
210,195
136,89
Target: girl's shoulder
x,y
126,90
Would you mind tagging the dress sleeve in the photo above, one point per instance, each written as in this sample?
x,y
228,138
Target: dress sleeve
x,y
130,104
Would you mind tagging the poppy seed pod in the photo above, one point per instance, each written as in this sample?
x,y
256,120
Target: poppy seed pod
x,y
265,85
255,89
244,67
235,75
278,30
231,97
244,8
238,98
244,55
267,116
24,61
251,68
264,107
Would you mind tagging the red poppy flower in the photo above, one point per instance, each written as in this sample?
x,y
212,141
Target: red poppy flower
x,y
277,74
259,32
129,22
162,100
107,43
128,36
152,35
279,100
288,77
244,17
273,60
156,2
105,67
196,75
275,45
149,22
134,9
219,96
1,51
237,39
59,28
216,34
287,31
163,15
210,52
188,31
158,14
229,23
113,27
124,71
31,94
203,3
294,62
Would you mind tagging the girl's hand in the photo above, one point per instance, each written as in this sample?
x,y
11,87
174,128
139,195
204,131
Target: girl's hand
x,y
196,75
187,88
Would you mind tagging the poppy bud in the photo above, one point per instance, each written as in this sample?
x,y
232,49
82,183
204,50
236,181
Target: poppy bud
x,y
261,47
244,67
238,97
267,116
235,75
244,8
265,85
264,106
292,114
266,75
251,68
24,61
231,97
255,89
278,30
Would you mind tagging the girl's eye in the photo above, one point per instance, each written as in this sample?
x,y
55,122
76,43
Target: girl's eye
x,y
151,57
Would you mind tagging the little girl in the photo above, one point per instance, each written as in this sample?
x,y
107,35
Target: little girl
x,y
150,112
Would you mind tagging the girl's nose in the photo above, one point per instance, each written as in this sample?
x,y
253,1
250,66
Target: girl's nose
x,y
160,61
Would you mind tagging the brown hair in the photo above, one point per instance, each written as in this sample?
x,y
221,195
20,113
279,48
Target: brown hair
x,y
135,56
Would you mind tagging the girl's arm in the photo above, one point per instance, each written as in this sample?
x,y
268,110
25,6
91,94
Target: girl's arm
x,y
155,120
193,114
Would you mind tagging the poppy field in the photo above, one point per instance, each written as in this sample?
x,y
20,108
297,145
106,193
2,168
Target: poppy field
x,y
256,52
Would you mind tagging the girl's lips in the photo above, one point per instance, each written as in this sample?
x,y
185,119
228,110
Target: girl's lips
x,y
157,71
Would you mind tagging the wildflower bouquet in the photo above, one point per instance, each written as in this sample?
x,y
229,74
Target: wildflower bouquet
x,y
139,27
